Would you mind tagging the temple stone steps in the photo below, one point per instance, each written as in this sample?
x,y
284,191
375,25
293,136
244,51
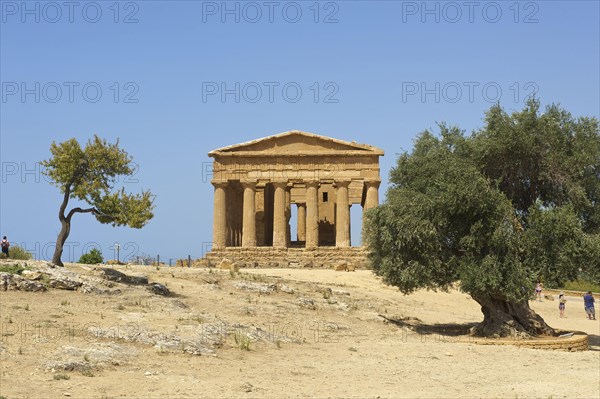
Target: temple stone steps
x,y
320,257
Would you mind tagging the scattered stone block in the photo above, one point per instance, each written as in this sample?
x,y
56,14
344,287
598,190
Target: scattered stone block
x,y
225,264
341,266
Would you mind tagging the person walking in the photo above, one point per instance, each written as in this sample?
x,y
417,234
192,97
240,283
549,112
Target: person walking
x,y
562,304
5,246
588,303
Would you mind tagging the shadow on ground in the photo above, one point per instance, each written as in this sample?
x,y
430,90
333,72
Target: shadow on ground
x,y
594,342
456,329
443,329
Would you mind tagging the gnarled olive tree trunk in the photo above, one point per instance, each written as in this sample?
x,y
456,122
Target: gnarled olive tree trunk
x,y
503,318
60,242
65,222
65,228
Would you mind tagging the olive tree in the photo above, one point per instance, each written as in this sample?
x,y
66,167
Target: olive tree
x,y
493,212
89,175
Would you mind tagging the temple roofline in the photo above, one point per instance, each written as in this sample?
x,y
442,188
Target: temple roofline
x,y
356,148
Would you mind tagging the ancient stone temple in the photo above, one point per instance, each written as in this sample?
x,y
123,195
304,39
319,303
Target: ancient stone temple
x,y
256,183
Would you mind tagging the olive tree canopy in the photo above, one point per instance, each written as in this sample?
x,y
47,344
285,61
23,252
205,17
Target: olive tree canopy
x,y
494,212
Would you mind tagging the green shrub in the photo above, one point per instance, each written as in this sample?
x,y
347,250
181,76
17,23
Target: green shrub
x,y
92,257
11,269
18,253
242,341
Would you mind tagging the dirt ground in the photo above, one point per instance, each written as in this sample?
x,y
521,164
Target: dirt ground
x,y
275,333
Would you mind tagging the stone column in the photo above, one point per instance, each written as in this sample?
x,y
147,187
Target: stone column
x,y
342,216
371,201
350,224
249,215
288,216
279,216
372,196
220,216
301,222
312,214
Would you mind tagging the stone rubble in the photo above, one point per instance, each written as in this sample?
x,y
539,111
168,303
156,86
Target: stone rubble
x,y
258,287
38,276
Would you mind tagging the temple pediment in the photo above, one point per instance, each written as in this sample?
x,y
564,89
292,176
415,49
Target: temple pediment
x,y
297,143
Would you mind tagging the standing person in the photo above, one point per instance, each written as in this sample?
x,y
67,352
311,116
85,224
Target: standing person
x,y
538,291
588,303
5,246
561,304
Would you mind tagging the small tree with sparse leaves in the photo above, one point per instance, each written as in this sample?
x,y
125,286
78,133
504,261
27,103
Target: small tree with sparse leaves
x,y
89,175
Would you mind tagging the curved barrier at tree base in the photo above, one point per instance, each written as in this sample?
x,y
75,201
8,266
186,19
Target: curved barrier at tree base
x,y
573,343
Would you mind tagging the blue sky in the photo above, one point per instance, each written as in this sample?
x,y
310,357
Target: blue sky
x,y
151,73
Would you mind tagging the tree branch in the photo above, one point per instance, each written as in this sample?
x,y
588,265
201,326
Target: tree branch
x,y
93,211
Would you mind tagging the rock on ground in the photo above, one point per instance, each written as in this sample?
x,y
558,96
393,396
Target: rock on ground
x,y
252,286
10,281
158,289
119,277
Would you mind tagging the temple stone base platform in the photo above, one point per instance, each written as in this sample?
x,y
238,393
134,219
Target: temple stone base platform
x,y
271,257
